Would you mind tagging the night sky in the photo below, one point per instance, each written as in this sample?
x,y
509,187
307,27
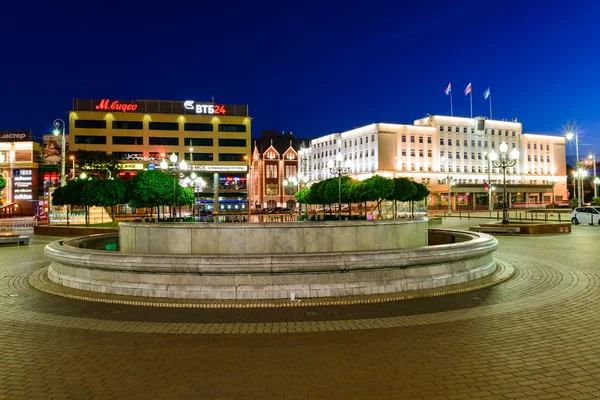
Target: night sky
x,y
305,66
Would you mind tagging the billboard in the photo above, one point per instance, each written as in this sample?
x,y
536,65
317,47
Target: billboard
x,y
19,135
51,148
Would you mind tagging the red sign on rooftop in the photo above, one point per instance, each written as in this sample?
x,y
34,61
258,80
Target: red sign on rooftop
x,y
115,105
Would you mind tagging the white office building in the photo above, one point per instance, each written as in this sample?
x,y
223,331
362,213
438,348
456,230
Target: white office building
x,y
441,149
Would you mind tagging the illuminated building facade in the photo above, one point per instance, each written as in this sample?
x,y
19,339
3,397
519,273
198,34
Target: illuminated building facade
x,y
274,163
214,139
415,151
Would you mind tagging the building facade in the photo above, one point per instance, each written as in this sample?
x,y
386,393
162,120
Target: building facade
x,y
213,139
274,170
442,150
19,163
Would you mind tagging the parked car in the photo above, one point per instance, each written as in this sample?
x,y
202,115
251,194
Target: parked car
x,y
41,218
585,215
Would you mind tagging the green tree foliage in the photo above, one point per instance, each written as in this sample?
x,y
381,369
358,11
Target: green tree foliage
x,y
95,163
184,196
404,189
421,192
70,194
104,193
2,186
150,189
378,189
301,196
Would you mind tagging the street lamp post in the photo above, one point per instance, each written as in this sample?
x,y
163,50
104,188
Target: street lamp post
x,y
56,131
290,182
73,169
489,174
596,183
592,158
337,168
572,132
504,160
449,179
175,172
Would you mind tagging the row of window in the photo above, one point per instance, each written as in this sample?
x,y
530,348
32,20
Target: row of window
x,y
357,141
158,141
135,156
500,132
158,126
535,146
466,143
412,139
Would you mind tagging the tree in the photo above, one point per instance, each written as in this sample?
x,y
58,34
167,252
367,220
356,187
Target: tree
x,y
2,186
95,162
70,194
104,193
421,192
378,189
150,189
403,191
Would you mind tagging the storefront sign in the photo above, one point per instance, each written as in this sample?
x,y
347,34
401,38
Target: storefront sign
x,y
219,168
131,166
23,185
115,105
208,109
15,136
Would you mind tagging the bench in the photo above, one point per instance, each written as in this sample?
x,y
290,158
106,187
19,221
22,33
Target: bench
x,y
14,238
507,230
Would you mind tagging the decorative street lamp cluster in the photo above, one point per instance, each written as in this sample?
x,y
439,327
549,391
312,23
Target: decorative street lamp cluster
x,y
338,168
63,146
504,160
175,171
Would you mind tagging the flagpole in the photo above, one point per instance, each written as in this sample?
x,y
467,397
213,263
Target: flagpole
x,y
471,102
491,105
451,103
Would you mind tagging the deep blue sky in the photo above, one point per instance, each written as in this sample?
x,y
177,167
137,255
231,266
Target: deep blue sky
x,y
311,67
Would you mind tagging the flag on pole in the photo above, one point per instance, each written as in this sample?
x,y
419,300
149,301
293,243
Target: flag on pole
x,y
468,89
486,187
448,89
487,93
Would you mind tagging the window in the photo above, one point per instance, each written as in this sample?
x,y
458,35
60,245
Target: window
x,y
479,143
528,146
458,155
465,143
547,147
345,144
164,141
456,129
449,155
472,143
420,139
231,157
547,158
465,155
472,156
412,139
404,152
232,128
403,138
472,130
334,141
271,189
493,145
429,153
420,153
361,154
132,140
486,131
465,129
465,169
197,127
412,152
513,145
82,139
128,125
449,142
372,152
232,142
441,129
535,158
505,133
90,124
199,156
513,133
428,139
529,157
493,131
163,126
535,146
442,141
361,140
197,142
372,138
479,156
355,142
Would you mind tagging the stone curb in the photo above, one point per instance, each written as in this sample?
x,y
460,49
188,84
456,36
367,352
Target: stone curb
x,y
40,281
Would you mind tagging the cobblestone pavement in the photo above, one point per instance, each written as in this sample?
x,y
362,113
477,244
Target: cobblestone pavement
x,y
534,336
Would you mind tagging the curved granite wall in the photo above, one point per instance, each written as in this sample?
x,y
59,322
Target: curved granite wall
x,y
271,238
277,275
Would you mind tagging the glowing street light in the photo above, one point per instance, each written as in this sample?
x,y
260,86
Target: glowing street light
x,y
504,160
571,132
338,168
56,131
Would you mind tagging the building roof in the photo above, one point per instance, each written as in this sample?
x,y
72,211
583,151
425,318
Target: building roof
x,y
280,141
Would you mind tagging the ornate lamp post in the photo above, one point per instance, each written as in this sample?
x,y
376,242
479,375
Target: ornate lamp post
x,y
504,160
290,182
489,174
56,131
337,168
572,132
596,183
446,158
592,160
175,172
